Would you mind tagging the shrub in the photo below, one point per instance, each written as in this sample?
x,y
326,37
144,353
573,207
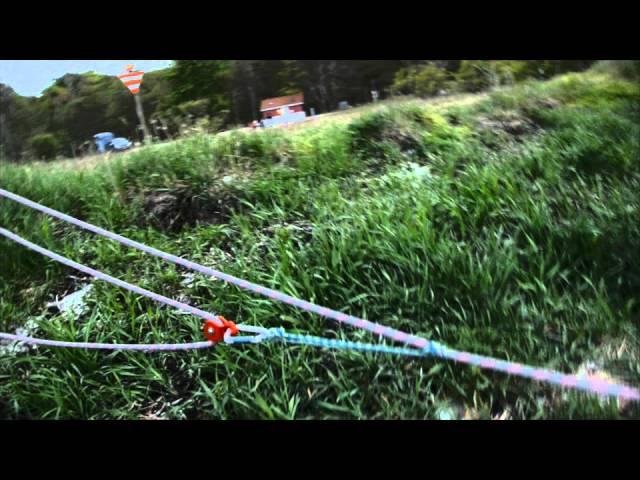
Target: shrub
x,y
474,76
477,75
629,69
423,81
44,146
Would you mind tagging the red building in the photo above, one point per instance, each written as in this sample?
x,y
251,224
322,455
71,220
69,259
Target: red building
x,y
274,107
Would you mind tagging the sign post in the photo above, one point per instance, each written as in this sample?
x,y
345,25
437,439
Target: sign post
x,y
132,80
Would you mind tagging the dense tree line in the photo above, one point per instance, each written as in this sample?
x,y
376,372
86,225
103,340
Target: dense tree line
x,y
223,93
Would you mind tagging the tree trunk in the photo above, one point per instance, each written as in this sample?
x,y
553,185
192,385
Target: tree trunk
x,y
234,105
253,100
250,74
147,137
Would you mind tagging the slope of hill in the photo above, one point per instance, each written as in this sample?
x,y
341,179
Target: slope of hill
x,y
508,227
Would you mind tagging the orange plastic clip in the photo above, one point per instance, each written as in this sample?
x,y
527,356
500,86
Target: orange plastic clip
x,y
215,332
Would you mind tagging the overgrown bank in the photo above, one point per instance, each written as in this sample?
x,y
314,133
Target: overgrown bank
x,y
508,228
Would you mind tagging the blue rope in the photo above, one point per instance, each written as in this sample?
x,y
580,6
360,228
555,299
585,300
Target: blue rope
x,y
602,387
266,334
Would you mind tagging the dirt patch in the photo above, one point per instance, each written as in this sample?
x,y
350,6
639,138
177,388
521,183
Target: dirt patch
x,y
512,123
181,206
504,129
548,103
453,119
535,111
377,140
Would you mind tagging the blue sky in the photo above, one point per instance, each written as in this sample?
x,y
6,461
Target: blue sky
x,y
31,77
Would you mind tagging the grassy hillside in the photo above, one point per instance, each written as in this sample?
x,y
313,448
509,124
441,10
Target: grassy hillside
x,y
508,227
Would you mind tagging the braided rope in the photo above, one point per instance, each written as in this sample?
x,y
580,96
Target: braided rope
x,y
376,328
156,347
579,382
108,278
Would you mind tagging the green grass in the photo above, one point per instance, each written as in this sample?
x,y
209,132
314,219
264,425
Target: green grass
x,y
523,247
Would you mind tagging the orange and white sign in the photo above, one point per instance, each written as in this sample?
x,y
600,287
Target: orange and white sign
x,y
132,80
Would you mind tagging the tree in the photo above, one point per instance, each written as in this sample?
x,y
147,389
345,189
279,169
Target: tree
x,y
77,106
18,117
320,80
201,79
421,80
44,146
7,108
245,80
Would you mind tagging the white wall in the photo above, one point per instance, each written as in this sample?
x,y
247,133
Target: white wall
x,y
288,117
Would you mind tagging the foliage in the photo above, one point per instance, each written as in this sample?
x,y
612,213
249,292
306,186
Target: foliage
x,y
200,80
44,146
629,69
77,106
525,250
423,81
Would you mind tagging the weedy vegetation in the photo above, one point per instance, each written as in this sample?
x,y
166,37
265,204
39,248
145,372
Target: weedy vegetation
x,y
508,227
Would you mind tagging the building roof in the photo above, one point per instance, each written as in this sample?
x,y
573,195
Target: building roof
x,y
278,102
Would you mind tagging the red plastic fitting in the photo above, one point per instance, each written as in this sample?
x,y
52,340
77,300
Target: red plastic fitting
x,y
214,332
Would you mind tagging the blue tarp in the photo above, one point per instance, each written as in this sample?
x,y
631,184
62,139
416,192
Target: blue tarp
x,y
103,140
104,136
106,141
120,143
